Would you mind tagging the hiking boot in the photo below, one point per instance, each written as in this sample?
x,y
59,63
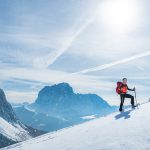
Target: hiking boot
x,y
133,106
120,109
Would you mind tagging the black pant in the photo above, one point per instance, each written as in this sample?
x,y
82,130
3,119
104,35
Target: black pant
x,y
123,96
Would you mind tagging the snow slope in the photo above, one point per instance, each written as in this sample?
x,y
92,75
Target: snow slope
x,y
13,131
129,130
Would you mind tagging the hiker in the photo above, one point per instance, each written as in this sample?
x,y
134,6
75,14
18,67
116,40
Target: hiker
x,y
123,88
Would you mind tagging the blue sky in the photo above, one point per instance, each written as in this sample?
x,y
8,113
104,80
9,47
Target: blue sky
x,y
90,44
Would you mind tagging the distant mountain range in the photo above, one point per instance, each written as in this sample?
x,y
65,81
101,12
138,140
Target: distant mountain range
x,y
12,130
57,106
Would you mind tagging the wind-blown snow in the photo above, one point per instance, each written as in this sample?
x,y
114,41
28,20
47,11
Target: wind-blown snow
x,y
129,130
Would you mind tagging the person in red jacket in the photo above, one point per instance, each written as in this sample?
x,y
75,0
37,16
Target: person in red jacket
x,y
124,88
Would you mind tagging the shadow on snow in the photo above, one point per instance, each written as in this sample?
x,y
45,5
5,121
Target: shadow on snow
x,y
125,115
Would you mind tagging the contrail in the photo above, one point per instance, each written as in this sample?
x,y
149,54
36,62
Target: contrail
x,y
108,65
52,57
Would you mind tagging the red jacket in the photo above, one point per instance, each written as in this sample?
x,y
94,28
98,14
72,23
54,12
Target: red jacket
x,y
124,88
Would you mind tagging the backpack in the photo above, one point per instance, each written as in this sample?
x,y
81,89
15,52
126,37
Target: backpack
x,y
118,90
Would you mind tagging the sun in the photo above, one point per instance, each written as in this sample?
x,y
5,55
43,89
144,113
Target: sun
x,y
118,15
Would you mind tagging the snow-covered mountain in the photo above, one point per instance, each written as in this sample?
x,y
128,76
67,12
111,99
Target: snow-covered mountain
x,y
6,111
129,130
57,106
11,129
61,98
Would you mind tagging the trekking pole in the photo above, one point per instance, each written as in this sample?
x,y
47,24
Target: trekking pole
x,y
135,97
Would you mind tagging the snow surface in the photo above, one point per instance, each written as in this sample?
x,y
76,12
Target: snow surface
x,y
88,117
13,131
129,130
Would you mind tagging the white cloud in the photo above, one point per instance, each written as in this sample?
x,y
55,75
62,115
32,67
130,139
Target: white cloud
x,y
20,97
